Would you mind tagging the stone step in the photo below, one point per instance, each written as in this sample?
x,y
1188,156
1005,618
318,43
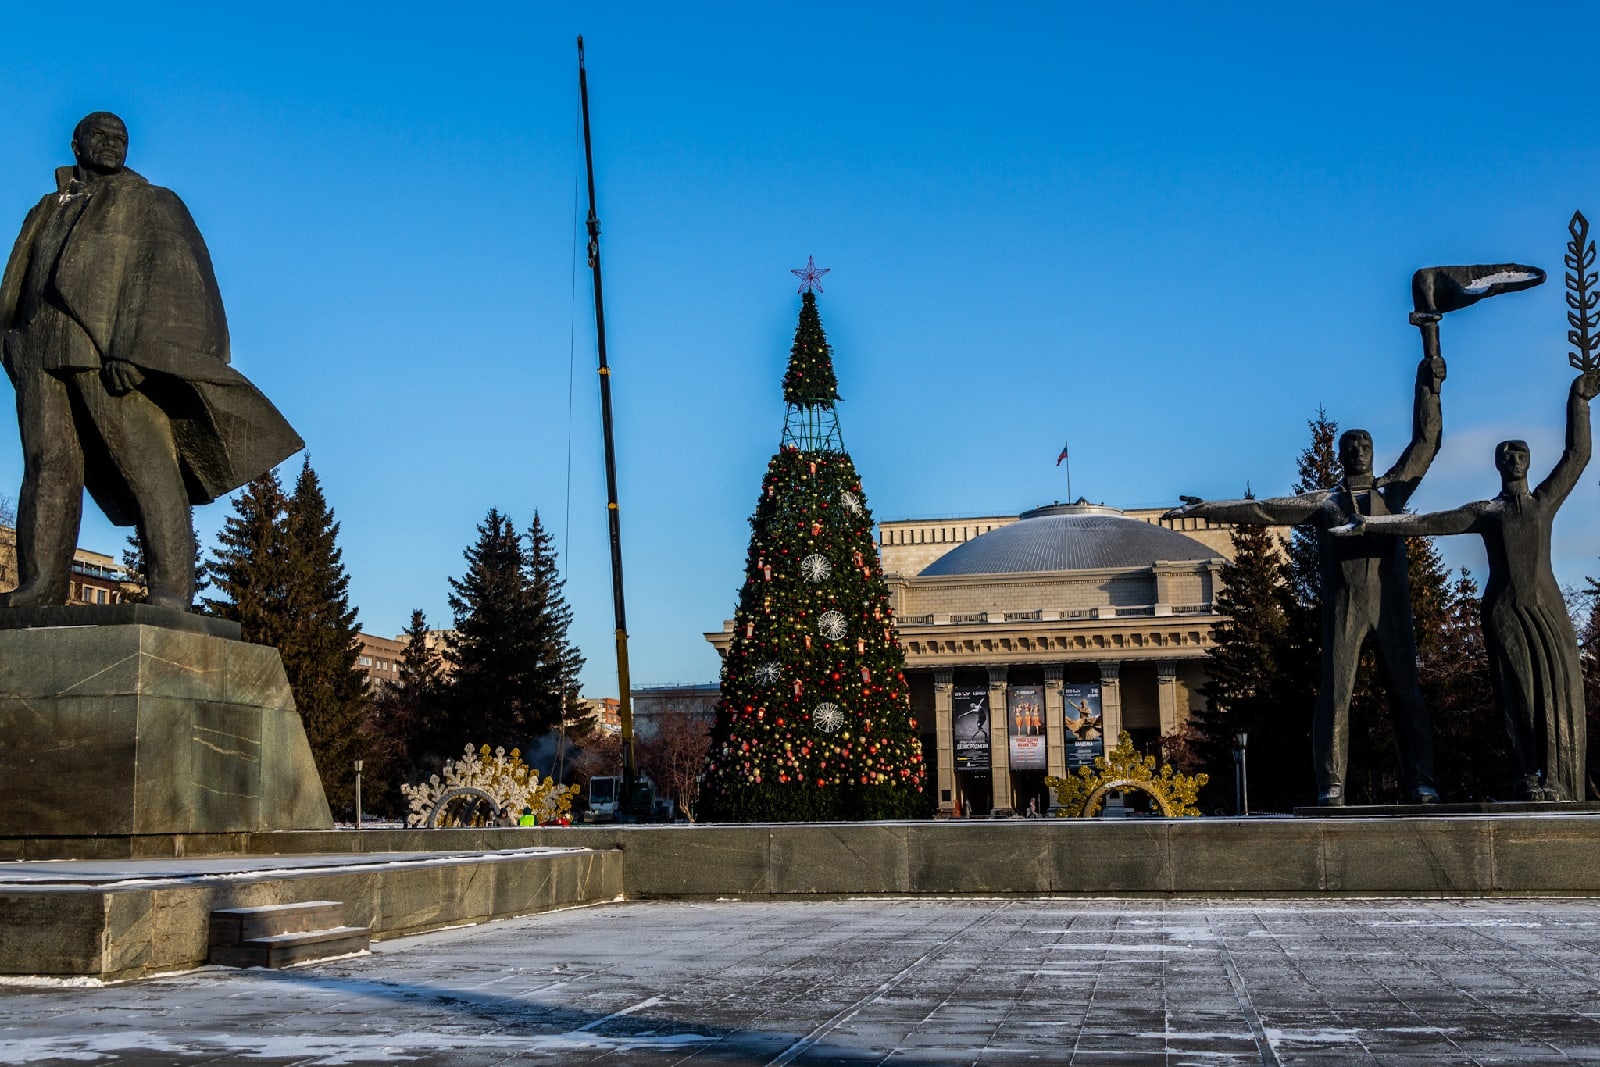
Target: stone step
x,y
284,950
234,926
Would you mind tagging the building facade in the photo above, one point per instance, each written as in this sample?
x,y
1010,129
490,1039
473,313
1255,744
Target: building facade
x,y
96,577
379,657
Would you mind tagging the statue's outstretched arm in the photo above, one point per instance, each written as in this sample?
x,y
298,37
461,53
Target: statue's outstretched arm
x,y
1427,428
1468,518
1554,489
1277,511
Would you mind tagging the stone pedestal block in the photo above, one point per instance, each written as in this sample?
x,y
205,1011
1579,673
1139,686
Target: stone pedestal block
x,y
134,727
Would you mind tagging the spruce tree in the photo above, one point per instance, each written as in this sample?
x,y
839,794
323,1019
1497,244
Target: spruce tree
x,y
1469,736
397,737
321,642
1245,669
249,568
814,720
1589,658
553,679
280,575
493,646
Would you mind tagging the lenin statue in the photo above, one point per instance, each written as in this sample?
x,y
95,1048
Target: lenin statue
x,y
115,339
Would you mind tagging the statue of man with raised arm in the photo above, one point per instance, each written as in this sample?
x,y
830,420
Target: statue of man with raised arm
x,y
1365,593
114,337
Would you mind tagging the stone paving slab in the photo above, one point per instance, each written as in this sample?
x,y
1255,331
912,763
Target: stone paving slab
x,y
893,981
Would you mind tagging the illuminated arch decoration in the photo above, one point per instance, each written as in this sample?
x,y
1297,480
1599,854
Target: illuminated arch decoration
x,y
484,787
1123,769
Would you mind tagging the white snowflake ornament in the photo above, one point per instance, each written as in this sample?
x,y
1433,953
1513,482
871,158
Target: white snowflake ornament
x,y
827,717
832,625
815,568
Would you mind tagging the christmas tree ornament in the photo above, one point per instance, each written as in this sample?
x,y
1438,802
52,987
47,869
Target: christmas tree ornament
x,y
816,568
827,717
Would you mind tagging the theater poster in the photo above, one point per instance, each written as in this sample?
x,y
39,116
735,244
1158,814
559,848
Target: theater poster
x,y
1025,704
1084,724
970,727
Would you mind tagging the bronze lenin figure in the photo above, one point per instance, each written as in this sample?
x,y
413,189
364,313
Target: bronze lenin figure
x,y
115,340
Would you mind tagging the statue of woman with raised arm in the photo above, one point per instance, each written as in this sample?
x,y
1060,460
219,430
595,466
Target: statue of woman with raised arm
x,y
1533,651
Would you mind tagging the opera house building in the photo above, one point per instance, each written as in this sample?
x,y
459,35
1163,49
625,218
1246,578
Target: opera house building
x,y
1031,639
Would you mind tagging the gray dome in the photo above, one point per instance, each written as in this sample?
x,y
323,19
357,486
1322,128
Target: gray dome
x,y
1068,537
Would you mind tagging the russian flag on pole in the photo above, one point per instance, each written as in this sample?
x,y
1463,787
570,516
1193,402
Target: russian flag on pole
x,y
1063,455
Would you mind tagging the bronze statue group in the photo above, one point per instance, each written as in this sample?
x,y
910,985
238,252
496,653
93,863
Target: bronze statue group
x,y
1533,650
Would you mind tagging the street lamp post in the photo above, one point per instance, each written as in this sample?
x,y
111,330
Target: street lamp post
x,y
358,794
1241,772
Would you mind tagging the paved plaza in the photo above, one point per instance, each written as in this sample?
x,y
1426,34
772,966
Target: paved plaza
x,y
884,981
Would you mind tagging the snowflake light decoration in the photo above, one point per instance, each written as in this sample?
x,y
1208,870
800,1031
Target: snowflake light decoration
x,y
768,674
827,717
832,625
816,568
511,783
850,501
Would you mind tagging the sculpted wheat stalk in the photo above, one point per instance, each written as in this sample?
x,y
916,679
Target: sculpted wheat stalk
x,y
1583,300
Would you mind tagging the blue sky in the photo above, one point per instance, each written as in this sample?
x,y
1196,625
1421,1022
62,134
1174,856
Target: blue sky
x,y
1165,233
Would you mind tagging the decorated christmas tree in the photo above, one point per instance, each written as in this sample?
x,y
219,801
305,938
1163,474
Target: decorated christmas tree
x,y
815,717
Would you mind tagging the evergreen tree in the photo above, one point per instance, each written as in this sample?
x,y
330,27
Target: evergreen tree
x,y
397,737
1245,668
1469,738
249,568
515,667
1589,658
553,698
1300,661
814,721
280,575
494,646
321,640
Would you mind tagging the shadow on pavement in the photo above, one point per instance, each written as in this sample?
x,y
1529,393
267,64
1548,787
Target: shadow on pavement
x,y
639,1029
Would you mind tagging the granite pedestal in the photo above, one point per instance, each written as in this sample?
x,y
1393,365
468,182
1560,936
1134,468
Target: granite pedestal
x,y
133,720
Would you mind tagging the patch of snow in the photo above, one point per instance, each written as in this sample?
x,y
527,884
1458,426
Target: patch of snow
x,y
333,1050
1346,1036
1483,284
44,982
1111,947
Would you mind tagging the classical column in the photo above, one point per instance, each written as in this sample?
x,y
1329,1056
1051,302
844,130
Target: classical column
x,y
944,722
1000,739
1167,696
1055,755
1111,701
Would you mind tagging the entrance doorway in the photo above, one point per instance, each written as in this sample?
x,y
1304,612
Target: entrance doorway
x,y
975,793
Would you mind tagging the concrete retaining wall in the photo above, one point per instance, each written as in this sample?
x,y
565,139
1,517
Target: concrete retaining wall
x,y
116,930
1425,856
